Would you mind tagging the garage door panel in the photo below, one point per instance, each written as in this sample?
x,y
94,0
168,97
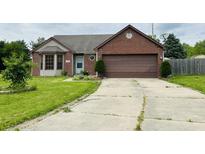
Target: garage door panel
x,y
130,62
133,70
131,75
138,66
131,65
124,58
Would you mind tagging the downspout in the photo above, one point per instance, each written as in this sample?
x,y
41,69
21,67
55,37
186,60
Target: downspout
x,y
96,61
72,65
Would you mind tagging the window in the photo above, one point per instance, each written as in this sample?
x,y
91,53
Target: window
x,y
59,62
92,57
49,62
129,35
79,65
41,62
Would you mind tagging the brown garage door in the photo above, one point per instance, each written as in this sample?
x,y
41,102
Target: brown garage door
x,y
129,66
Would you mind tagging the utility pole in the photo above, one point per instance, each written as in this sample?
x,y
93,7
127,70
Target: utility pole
x,y
152,29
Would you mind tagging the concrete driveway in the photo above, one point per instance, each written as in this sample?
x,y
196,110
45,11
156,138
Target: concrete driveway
x,y
171,107
114,106
117,104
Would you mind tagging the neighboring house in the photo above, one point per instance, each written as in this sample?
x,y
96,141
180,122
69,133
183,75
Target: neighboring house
x,y
128,53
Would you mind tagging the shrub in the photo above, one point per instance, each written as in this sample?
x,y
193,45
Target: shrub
x,y
85,73
17,71
165,69
78,77
64,73
100,67
86,77
83,77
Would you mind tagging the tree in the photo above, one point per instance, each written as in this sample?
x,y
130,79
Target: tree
x,y
8,48
164,36
155,38
188,49
17,71
2,54
35,44
173,48
19,47
199,48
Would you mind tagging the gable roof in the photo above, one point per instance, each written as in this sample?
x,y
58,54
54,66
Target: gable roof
x,y
48,40
133,28
52,49
88,44
82,43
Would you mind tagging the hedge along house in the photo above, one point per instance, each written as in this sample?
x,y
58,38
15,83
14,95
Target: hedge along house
x,y
128,53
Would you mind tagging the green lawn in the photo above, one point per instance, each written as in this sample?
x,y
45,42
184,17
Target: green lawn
x,y
51,93
195,82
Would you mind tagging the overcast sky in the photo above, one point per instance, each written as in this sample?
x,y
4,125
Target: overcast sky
x,y
188,33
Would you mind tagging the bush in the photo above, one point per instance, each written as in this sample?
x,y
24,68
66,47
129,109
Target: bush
x,y
85,73
165,69
17,71
83,77
86,77
100,67
64,73
78,77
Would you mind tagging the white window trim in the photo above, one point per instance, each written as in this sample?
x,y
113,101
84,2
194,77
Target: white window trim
x,y
62,62
54,59
53,72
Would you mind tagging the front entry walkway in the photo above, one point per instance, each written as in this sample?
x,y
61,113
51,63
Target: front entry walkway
x,y
114,106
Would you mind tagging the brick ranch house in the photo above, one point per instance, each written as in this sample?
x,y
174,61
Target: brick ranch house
x,y
128,53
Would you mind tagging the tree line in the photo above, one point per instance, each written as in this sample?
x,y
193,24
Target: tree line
x,y
197,49
16,64
175,49
19,47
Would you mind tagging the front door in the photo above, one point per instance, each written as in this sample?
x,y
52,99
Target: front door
x,y
79,66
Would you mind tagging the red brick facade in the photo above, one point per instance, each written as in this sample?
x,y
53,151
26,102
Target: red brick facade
x,y
68,61
138,44
118,44
89,65
37,63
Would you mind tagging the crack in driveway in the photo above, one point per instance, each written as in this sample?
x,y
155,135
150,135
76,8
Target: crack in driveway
x,y
114,108
187,97
107,114
164,119
171,107
111,96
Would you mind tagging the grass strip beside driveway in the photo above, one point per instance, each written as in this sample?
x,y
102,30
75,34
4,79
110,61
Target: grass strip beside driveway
x,y
51,93
196,82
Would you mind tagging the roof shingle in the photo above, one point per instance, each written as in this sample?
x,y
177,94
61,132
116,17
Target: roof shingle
x,y
82,43
51,49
